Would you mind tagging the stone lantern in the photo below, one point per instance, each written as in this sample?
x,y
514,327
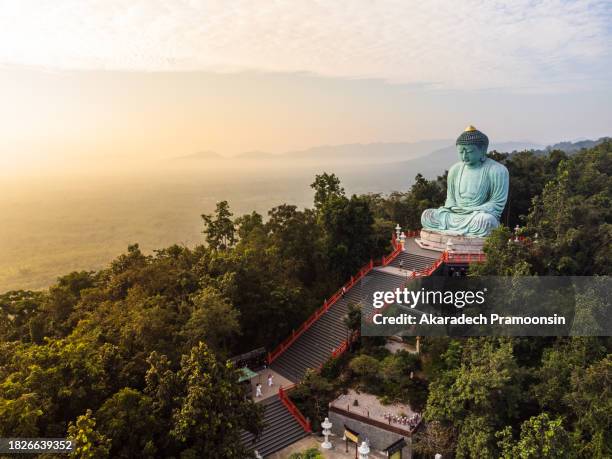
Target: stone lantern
x,y
516,232
398,230
402,239
364,450
326,432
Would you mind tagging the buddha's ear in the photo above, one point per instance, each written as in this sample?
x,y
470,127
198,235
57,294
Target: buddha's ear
x,y
483,156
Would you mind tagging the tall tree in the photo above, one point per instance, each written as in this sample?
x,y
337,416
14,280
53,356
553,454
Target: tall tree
x,y
348,226
569,226
89,443
219,228
327,187
478,393
214,408
540,437
127,419
214,321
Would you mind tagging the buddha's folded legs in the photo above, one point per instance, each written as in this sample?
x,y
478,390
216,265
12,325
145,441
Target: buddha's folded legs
x,y
475,224
434,219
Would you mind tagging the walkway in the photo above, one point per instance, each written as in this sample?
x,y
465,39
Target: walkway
x,y
262,378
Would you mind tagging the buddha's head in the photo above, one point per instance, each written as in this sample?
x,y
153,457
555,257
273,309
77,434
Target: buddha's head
x,y
472,146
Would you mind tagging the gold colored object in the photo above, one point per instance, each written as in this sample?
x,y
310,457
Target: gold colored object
x,y
470,128
351,436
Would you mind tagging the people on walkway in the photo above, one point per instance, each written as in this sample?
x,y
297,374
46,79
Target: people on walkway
x,y
258,390
270,382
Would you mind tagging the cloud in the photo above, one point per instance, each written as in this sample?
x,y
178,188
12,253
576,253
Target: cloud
x,y
521,45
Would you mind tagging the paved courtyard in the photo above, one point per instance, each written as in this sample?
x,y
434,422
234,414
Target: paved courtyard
x,y
262,378
337,452
369,407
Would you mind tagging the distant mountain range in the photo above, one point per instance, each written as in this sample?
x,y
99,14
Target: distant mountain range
x,y
400,175
385,151
352,153
375,167
201,156
573,147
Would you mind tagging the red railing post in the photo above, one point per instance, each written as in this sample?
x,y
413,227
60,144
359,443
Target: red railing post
x,y
282,395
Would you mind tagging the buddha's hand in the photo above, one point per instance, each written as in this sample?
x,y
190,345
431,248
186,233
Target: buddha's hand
x,y
487,207
461,210
468,210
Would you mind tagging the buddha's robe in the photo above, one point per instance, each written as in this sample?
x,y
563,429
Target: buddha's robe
x,y
475,199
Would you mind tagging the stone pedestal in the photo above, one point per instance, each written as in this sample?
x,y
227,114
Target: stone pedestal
x,y
433,240
326,433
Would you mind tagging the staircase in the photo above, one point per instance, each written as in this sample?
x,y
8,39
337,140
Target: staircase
x,y
281,429
326,334
315,346
412,261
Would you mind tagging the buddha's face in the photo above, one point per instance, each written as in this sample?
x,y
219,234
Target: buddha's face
x,y
471,155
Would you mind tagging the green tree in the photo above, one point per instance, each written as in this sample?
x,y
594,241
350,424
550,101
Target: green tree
x,y
367,369
51,384
559,362
248,223
435,438
213,410
213,321
165,390
476,440
348,232
397,367
17,310
540,437
89,443
327,187
127,419
295,238
478,394
310,453
590,399
312,396
219,228
352,319
529,173
20,416
569,226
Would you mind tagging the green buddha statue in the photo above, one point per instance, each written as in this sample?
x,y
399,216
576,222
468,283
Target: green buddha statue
x,y
476,194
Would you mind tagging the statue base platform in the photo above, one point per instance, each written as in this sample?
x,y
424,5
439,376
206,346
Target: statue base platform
x,y
433,240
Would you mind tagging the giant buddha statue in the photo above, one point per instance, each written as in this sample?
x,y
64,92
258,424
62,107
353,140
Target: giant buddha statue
x,y
475,198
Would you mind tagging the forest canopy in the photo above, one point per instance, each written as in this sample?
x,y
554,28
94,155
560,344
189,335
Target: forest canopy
x,y
120,352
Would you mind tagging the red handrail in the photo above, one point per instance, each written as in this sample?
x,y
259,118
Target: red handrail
x,y
295,334
295,412
319,312
465,257
423,272
344,345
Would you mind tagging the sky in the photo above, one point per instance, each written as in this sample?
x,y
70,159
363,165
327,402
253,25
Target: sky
x,y
85,81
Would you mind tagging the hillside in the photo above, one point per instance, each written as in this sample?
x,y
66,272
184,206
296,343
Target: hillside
x,y
116,357
53,225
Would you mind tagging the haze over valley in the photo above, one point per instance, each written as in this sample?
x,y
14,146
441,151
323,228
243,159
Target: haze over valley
x,y
55,222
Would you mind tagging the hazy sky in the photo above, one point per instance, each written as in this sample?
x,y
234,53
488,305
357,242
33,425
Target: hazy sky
x,y
141,79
